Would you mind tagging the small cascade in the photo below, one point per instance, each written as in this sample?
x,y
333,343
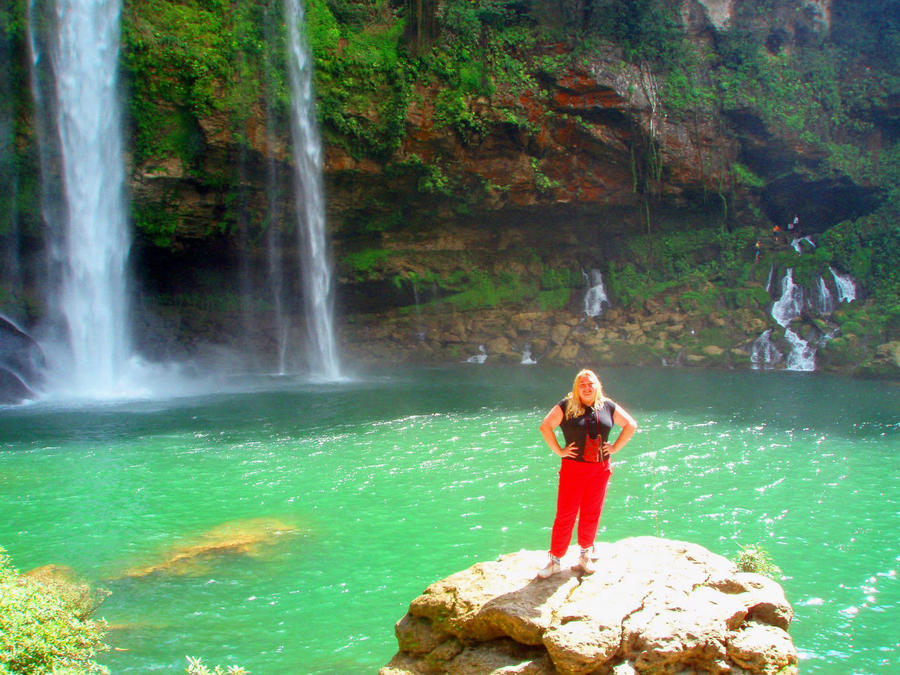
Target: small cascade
x,y
790,305
420,333
481,357
527,360
595,299
802,356
770,279
310,200
764,355
823,302
799,243
787,308
846,287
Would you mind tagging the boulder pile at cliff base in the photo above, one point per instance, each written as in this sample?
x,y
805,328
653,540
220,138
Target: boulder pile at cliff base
x,y
653,606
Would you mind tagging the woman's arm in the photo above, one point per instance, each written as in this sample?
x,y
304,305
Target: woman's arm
x,y
551,421
629,426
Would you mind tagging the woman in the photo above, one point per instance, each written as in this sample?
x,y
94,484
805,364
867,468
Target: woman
x,y
586,417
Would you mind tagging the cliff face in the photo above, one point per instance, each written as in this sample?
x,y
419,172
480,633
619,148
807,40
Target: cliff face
x,y
478,215
653,606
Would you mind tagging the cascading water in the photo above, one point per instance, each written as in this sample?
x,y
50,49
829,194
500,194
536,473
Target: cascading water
x,y
281,325
846,287
309,193
764,354
10,271
595,299
824,303
92,297
787,308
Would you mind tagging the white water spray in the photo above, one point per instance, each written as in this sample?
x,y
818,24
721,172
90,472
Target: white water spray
x,y
93,297
309,194
595,299
764,354
845,286
824,302
787,308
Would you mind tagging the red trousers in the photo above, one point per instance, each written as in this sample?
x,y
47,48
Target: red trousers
x,y
582,489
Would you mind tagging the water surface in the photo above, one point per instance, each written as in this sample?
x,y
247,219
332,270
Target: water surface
x,y
390,481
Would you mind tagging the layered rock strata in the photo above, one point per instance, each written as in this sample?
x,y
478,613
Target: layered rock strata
x,y
654,606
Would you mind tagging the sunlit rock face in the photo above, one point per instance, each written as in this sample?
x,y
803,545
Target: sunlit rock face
x,y
653,606
814,15
717,12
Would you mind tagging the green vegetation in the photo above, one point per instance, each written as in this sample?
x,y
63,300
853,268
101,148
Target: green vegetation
x,y
754,558
204,77
196,667
41,632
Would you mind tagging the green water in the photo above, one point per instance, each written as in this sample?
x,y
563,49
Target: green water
x,y
394,481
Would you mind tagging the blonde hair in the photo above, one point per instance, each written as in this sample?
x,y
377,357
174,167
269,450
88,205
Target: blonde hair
x,y
574,406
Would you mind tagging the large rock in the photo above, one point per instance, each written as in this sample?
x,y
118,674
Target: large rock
x,y
654,606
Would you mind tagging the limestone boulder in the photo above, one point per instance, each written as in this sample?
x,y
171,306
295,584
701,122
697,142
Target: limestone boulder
x,y
653,606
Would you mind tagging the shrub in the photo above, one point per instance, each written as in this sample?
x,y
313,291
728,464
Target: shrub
x,y
753,558
41,632
195,667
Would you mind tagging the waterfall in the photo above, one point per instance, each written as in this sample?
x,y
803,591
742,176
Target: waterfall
x,y
802,356
846,287
92,249
824,303
310,198
527,358
480,357
790,305
797,243
787,308
10,270
281,325
764,354
596,297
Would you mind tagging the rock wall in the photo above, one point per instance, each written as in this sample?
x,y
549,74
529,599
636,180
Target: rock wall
x,y
654,606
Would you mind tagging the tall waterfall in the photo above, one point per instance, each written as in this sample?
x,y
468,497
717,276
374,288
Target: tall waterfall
x,y
94,241
309,193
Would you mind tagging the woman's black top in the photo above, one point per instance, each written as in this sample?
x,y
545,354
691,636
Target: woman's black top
x,y
595,420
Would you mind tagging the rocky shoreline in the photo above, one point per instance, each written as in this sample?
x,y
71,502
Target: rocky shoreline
x,y
653,336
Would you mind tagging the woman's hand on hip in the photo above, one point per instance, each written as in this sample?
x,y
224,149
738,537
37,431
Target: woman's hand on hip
x,y
570,451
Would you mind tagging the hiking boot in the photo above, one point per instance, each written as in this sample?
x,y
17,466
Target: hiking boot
x,y
585,563
551,568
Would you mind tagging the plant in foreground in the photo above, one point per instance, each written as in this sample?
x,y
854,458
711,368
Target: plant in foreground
x,y
754,558
197,668
41,632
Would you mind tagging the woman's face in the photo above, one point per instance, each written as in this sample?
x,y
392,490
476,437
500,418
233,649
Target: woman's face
x,y
587,390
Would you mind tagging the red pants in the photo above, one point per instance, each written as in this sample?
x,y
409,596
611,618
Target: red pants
x,y
582,488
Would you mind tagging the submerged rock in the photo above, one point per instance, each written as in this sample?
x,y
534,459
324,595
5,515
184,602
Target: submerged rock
x,y
653,606
240,537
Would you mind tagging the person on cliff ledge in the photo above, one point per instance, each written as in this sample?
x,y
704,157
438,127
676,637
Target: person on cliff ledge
x,y
586,417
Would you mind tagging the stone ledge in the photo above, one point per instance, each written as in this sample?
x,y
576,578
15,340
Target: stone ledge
x,y
653,606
